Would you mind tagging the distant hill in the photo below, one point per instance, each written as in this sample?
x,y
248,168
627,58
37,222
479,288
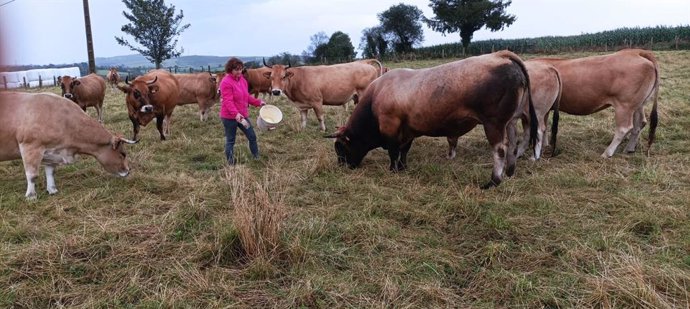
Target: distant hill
x,y
195,61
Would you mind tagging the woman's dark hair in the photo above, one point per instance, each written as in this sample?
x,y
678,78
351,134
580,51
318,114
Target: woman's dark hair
x,y
232,64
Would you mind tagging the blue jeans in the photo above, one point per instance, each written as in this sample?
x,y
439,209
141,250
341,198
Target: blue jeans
x,y
230,131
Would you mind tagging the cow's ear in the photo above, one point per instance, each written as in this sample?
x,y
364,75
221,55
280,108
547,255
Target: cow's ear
x,y
153,89
125,89
289,74
76,83
267,75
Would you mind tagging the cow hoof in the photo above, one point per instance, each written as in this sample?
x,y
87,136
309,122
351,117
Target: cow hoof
x,y
489,185
52,191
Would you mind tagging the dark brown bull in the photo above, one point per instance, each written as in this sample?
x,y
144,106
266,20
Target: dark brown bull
x,y
625,80
312,87
200,88
85,91
446,100
545,89
152,95
45,129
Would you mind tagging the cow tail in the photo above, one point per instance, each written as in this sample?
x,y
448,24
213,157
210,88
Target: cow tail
x,y
653,116
555,108
533,122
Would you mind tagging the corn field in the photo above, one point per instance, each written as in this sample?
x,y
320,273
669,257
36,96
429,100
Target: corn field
x,y
657,38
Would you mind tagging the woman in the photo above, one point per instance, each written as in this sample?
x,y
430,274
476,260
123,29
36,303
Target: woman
x,y
234,113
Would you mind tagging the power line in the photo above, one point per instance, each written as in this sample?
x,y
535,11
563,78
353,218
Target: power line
x,y
8,2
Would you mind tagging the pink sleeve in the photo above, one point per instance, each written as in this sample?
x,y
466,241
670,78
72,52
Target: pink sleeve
x,y
226,90
254,101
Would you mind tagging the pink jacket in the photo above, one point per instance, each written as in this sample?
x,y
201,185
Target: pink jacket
x,y
235,97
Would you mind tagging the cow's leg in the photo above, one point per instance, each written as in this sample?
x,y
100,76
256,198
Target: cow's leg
x,y
50,179
452,146
303,117
511,153
135,127
624,123
318,109
394,155
524,143
639,121
495,133
160,119
403,155
31,157
99,112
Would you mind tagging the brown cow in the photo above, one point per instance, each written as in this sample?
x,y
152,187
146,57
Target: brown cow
x,y
446,100
625,80
200,88
545,89
258,83
85,91
44,128
113,78
311,87
152,95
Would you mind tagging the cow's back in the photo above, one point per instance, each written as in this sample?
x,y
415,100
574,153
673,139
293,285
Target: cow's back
x,y
334,84
43,118
443,100
195,87
592,83
91,91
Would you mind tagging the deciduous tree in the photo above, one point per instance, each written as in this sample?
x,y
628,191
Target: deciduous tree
x,y
155,27
468,16
403,23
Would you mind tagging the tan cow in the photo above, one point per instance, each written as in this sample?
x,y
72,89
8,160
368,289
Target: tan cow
x,y
258,83
44,128
625,80
446,100
113,78
152,95
200,88
312,87
85,91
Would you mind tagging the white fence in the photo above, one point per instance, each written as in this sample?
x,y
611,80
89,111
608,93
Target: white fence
x,y
34,78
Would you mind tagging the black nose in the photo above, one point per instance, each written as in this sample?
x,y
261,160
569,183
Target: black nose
x,y
276,92
148,109
68,95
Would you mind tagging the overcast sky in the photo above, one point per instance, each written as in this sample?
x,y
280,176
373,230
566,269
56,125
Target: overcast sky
x,y
52,31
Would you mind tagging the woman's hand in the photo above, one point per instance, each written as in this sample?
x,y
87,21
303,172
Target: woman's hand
x,y
238,117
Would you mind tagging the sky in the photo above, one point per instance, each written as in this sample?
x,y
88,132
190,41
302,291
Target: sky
x,y
52,31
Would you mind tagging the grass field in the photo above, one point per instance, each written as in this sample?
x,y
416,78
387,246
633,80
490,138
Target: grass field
x,y
296,230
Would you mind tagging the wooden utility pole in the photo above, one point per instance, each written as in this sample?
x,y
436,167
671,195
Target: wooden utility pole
x,y
89,41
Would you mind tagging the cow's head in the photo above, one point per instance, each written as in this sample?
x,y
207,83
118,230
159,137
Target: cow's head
x,y
113,156
68,84
138,98
349,152
279,76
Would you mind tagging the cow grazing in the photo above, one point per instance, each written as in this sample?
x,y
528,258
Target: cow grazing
x,y
113,78
200,88
85,91
152,95
44,128
625,80
312,87
446,100
258,83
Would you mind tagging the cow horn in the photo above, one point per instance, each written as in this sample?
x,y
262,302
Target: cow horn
x,y
127,79
128,141
266,65
153,81
332,135
289,65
